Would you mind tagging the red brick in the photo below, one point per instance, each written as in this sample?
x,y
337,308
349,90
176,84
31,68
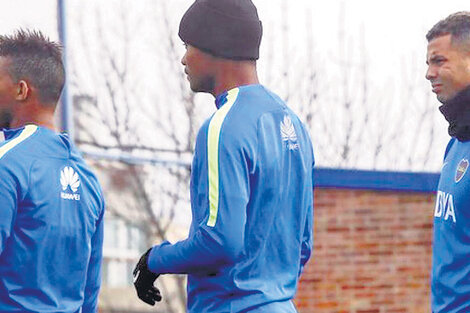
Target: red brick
x,y
372,253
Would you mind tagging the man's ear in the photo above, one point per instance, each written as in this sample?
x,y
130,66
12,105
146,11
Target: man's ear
x,y
22,91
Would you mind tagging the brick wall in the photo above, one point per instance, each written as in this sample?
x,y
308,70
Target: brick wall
x,y
372,253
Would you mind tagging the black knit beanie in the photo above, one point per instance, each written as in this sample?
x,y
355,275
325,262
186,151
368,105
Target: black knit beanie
x,y
228,29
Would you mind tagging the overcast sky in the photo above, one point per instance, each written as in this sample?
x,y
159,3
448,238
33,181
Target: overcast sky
x,y
390,32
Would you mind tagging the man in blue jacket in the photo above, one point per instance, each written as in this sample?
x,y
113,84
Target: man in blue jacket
x,y
448,58
251,180
51,204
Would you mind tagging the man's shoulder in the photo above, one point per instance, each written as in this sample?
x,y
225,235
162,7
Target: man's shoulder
x,y
259,95
16,145
456,147
23,146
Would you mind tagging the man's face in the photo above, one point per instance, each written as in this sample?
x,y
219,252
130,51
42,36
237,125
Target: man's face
x,y
198,66
7,94
448,67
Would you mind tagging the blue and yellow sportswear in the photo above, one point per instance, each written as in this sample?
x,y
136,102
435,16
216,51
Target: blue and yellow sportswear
x,y
51,224
252,208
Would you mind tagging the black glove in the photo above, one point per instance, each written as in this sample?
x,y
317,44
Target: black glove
x,y
143,281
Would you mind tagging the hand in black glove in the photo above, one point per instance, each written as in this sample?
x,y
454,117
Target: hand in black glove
x,y
143,281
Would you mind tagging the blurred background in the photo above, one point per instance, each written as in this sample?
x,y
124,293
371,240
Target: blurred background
x,y
352,70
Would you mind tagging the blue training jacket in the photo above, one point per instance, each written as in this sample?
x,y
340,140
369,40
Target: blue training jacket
x,y
451,246
51,224
252,208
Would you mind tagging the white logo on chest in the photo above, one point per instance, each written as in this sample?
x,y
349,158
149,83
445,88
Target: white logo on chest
x,y
445,206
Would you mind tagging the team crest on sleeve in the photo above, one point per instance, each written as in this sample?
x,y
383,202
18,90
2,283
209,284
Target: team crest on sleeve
x,y
461,170
70,182
288,134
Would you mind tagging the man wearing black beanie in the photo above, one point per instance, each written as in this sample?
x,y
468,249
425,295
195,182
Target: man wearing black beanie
x,y
251,178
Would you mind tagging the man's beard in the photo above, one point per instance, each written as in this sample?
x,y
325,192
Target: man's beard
x,y
5,119
205,84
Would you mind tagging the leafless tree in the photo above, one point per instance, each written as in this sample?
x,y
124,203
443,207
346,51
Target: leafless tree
x,y
121,107
356,120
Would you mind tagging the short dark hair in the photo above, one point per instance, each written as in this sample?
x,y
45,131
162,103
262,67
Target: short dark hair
x,y
457,25
36,59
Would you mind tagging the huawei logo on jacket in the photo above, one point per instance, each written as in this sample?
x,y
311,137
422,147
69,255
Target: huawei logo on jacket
x,y
288,134
69,179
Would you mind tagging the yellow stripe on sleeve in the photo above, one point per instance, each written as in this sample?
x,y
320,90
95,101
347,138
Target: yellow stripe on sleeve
x,y
27,131
213,154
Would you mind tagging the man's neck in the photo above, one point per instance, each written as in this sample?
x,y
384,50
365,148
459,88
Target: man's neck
x,y
235,74
33,112
43,120
457,113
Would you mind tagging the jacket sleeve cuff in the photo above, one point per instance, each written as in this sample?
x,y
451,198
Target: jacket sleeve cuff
x,y
154,261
